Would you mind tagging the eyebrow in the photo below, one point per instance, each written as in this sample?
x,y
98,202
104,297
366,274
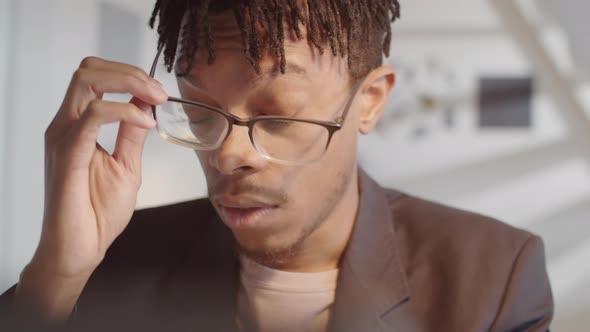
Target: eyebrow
x,y
291,67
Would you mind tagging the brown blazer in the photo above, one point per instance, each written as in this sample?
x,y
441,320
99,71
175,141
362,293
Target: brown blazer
x,y
411,265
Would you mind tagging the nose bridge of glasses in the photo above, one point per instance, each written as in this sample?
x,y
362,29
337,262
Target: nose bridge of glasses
x,y
234,120
232,143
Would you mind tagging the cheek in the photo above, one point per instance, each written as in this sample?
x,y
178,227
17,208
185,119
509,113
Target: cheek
x,y
204,157
321,182
339,161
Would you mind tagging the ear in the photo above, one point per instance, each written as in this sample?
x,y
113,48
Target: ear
x,y
374,96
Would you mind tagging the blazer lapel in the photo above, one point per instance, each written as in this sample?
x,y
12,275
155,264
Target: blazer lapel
x,y
372,288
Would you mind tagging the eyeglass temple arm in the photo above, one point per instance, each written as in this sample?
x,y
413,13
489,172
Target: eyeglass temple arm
x,y
354,90
155,63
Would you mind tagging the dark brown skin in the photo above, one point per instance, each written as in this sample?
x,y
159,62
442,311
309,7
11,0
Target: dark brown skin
x,y
90,195
310,229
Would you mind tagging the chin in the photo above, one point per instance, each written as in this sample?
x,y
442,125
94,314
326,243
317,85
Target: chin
x,y
271,252
268,247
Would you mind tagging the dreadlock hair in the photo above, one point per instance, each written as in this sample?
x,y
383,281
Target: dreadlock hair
x,y
358,29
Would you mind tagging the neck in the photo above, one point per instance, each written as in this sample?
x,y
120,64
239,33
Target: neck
x,y
323,249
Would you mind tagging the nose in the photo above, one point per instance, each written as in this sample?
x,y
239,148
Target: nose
x,y
237,154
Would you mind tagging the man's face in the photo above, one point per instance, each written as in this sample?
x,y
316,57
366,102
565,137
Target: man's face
x,y
272,208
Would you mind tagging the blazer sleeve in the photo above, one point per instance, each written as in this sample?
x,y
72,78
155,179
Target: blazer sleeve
x,y
15,320
6,309
527,304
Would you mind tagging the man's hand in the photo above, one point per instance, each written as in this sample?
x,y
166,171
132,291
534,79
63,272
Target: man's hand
x,y
90,194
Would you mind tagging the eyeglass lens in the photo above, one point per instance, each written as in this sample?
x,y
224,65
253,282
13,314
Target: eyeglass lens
x,y
282,140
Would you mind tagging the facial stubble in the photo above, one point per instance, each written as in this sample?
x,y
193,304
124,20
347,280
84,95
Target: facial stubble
x,y
281,256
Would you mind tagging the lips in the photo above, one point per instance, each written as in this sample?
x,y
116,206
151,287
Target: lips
x,y
238,217
246,208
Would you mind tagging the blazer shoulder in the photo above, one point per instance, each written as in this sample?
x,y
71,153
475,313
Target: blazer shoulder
x,y
472,263
459,244
428,222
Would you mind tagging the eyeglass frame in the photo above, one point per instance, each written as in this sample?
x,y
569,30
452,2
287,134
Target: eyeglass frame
x,y
330,126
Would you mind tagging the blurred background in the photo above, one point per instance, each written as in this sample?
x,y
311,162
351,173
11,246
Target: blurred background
x,y
491,114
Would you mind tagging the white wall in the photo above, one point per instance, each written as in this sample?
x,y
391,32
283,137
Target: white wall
x,y
31,96
5,35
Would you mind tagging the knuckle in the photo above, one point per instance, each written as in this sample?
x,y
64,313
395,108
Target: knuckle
x,y
78,76
88,62
93,107
131,112
130,108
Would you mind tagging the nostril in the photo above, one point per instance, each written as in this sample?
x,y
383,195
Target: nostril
x,y
244,168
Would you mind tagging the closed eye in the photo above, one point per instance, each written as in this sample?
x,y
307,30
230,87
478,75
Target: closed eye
x,y
204,120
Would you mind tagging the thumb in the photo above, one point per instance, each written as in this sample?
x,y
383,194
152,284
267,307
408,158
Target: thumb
x,y
131,139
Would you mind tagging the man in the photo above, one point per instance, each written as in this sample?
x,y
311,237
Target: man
x,y
294,236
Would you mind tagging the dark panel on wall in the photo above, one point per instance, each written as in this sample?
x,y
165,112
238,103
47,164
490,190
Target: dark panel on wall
x,y
505,102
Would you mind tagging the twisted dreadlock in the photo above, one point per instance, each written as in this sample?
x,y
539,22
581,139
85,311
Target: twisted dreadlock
x,y
359,29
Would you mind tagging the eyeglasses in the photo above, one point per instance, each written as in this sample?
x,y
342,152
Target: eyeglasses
x,y
284,140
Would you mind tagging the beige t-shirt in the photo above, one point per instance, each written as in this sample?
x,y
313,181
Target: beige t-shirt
x,y
275,300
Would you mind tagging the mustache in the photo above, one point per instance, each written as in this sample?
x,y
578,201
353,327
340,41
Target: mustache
x,y
238,188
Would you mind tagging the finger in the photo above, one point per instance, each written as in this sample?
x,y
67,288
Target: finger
x,y
131,140
102,64
81,140
101,112
88,85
